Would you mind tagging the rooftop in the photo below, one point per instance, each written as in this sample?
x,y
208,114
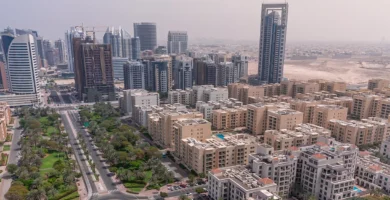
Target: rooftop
x,y
242,177
221,142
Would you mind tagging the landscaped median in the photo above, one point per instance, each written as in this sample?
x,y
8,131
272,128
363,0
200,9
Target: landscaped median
x,y
134,162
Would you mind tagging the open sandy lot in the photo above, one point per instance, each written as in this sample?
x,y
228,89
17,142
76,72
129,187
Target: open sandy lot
x,y
347,70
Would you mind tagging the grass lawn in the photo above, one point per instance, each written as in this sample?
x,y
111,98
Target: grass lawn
x,y
134,187
6,148
50,159
50,130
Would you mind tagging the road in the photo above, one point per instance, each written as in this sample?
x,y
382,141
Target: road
x,y
13,158
82,162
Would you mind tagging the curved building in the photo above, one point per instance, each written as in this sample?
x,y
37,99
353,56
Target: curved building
x,y
22,66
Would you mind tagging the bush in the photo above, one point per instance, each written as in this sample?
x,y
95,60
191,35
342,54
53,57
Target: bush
x,y
199,190
113,169
163,194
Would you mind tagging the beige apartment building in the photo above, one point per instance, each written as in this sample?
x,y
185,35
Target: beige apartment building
x,y
216,152
339,101
323,113
270,99
160,123
229,118
306,107
199,129
302,135
243,92
364,106
315,96
383,108
330,86
282,118
358,132
257,115
378,83
305,87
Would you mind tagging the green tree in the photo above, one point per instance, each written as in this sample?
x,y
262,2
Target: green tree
x,y
183,197
11,168
17,192
199,190
163,194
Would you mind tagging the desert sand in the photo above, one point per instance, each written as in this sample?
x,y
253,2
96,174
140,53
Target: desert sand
x,y
330,69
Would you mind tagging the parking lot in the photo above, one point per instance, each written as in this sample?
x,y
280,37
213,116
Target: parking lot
x,y
179,173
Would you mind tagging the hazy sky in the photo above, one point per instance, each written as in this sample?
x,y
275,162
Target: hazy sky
x,y
309,20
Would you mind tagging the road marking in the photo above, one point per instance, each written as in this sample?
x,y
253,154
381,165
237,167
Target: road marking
x,y
115,190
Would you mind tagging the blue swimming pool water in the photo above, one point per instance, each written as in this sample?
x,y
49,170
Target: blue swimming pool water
x,y
220,135
357,189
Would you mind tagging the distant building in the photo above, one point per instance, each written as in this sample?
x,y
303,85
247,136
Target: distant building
x,y
272,46
205,72
117,63
147,33
134,75
60,45
120,41
73,32
240,63
177,42
378,83
94,78
182,72
136,48
161,50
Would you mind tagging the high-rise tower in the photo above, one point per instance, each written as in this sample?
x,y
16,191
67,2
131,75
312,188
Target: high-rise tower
x,y
272,46
22,66
177,42
60,45
74,32
147,33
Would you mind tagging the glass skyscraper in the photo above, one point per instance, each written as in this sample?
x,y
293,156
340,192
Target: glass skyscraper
x,y
272,42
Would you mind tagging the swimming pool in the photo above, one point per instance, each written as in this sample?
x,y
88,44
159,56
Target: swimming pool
x,y
357,189
220,135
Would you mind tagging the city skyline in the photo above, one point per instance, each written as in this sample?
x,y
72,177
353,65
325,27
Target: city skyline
x,y
340,26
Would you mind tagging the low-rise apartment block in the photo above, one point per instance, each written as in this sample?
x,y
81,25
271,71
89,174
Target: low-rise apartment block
x,y
180,96
364,106
339,101
302,135
279,166
378,83
196,128
278,119
323,113
237,183
243,92
160,124
139,97
207,108
326,170
229,118
372,174
358,132
219,151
